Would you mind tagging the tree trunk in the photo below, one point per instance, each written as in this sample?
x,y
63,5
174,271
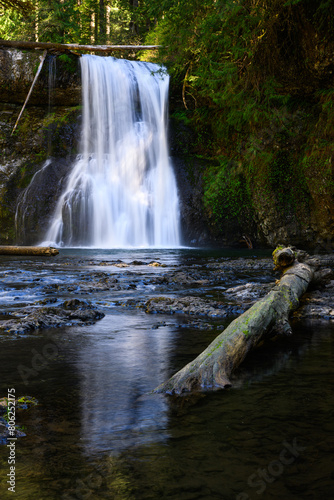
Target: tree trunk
x,y
12,250
212,368
102,22
74,46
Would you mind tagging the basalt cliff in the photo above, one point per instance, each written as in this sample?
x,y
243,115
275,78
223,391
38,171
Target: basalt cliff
x,y
286,206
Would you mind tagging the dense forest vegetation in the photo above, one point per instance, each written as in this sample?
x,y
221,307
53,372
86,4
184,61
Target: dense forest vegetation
x,y
252,78
69,21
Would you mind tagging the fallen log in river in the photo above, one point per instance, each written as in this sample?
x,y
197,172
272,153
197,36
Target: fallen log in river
x,y
213,367
13,250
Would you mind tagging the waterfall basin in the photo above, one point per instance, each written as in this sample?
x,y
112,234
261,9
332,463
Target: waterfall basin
x,y
97,429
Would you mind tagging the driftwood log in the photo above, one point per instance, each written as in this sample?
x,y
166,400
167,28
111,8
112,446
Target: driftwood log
x,y
12,250
212,368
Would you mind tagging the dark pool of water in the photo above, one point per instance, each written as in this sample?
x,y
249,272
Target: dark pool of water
x,y
98,433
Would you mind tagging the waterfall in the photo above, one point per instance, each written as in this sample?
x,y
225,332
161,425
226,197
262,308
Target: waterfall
x,y
121,191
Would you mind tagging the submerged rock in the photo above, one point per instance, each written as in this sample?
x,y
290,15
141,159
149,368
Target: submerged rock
x,y
4,431
191,305
318,305
156,264
250,292
21,403
69,313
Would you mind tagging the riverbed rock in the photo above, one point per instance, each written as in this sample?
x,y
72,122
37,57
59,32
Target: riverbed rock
x,y
192,306
5,433
156,264
317,304
69,313
197,296
21,403
248,293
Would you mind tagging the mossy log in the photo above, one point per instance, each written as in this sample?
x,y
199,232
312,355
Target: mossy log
x,y
12,250
73,46
213,367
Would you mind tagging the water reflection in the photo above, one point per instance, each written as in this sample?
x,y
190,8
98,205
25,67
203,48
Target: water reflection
x,y
117,369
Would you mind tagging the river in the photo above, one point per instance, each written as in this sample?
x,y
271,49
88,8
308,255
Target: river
x,y
98,433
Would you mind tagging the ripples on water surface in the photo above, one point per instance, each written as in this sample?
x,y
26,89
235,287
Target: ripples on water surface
x,y
98,434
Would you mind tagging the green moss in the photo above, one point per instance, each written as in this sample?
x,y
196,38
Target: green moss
x,y
227,193
68,62
253,102
25,402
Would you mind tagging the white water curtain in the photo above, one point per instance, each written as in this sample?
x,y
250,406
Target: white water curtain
x,y
121,191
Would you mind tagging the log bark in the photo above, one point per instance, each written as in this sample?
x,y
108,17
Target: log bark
x,y
13,250
283,257
73,46
213,367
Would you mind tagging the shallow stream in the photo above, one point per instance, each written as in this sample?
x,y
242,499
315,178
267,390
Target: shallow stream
x,y
98,433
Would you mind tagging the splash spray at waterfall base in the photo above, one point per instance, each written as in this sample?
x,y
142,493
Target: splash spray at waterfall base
x,y
121,191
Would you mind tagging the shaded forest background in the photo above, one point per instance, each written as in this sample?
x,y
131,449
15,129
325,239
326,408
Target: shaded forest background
x,y
253,82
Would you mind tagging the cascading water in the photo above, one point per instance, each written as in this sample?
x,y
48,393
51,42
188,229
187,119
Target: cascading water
x,y
121,191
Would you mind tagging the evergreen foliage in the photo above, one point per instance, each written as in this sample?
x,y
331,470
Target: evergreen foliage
x,y
69,21
241,66
23,6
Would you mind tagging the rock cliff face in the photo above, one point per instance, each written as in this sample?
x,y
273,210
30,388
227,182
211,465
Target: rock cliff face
x,y
17,70
48,129
293,190
291,195
261,99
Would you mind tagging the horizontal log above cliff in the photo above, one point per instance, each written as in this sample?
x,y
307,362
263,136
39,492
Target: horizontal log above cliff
x,y
13,250
73,46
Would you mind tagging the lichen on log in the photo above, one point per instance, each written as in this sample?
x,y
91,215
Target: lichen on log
x,y
213,367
